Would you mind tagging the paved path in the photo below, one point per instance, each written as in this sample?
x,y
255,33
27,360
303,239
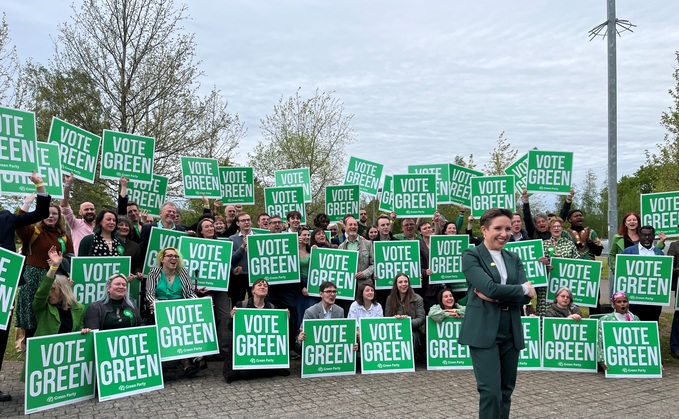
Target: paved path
x,y
436,394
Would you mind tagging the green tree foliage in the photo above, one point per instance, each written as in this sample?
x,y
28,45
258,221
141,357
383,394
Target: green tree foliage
x,y
313,133
501,157
9,65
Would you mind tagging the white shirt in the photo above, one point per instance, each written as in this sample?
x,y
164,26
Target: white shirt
x,y
499,264
646,252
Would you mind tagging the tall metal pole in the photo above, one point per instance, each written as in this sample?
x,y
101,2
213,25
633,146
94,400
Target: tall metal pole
x,y
612,122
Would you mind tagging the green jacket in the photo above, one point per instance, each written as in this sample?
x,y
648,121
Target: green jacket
x,y
618,245
47,315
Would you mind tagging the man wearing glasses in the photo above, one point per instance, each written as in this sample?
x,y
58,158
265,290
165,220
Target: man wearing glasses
x,y
275,224
326,309
239,282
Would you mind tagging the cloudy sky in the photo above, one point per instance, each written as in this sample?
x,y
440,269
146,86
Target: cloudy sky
x,y
428,80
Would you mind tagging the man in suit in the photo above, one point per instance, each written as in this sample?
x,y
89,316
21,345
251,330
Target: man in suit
x,y
167,214
645,248
326,309
492,321
674,335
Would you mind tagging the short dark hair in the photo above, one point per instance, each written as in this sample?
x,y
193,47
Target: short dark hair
x,y
240,214
257,281
383,217
293,213
262,215
647,227
132,204
421,224
488,216
325,285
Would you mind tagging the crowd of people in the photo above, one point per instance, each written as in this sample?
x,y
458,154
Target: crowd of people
x,y
46,305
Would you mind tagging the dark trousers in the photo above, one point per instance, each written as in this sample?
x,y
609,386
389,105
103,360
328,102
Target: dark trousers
x,y
239,285
4,335
674,335
222,310
646,313
495,370
285,297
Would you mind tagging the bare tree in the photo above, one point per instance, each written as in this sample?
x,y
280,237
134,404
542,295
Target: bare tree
x,y
9,65
502,156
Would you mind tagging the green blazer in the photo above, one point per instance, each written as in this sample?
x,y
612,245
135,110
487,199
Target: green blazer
x,y
48,316
481,319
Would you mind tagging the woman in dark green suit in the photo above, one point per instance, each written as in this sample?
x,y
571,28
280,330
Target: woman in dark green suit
x,y
492,322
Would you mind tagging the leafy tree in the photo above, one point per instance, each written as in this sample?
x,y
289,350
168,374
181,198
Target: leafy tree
x,y
501,157
460,161
9,65
313,133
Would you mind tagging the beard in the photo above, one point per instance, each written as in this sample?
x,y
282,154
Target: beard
x,y
89,217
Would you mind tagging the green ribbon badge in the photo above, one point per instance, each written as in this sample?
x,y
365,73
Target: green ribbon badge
x,y
120,249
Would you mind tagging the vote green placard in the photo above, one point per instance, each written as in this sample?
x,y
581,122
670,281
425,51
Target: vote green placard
x,y
442,173
386,345
365,174
445,258
328,349
581,276
128,155
274,257
159,239
334,265
646,280
260,339
461,184
149,196
49,169
207,260
530,357
128,362
79,149
632,349
186,328
549,171
295,177
281,200
661,210
519,169
387,194
89,275
568,345
341,200
10,272
530,251
59,371
260,230
200,176
18,142
443,350
492,192
394,257
237,185
415,195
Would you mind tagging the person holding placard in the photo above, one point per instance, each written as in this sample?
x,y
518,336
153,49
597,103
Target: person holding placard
x,y
167,214
37,241
620,313
80,227
402,302
239,282
366,263
304,301
563,306
538,228
131,248
294,219
325,309
319,239
492,322
321,221
408,230
275,224
115,310
130,209
263,221
446,307
470,232
628,236
555,246
384,229
365,304
428,292
104,241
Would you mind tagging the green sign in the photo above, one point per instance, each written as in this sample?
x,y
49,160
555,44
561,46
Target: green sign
x,y
549,171
200,177
530,251
443,350
295,177
274,257
580,276
329,348
128,155
394,257
442,173
59,371
415,195
10,272
661,210
632,349
237,185
569,345
386,345
646,280
89,275
159,239
186,328
208,260
341,200
387,194
492,192
18,142
149,196
128,362
260,339
79,149
334,265
519,169
365,174
530,357
461,185
49,169
281,200
260,230
445,258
